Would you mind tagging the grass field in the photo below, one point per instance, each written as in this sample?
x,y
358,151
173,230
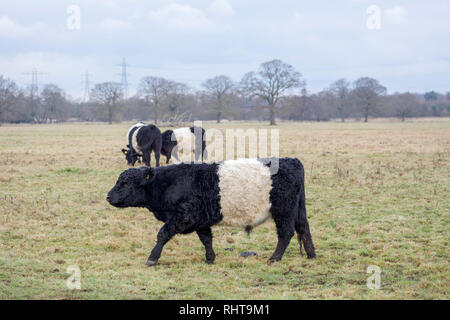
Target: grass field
x,y
377,194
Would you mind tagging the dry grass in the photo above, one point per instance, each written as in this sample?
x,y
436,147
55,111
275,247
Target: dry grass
x,y
377,194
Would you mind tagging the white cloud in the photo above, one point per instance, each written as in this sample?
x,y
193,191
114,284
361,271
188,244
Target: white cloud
x,y
396,15
231,36
183,18
114,25
221,8
107,3
55,68
11,29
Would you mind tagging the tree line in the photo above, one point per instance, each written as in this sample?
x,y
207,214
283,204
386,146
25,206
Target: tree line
x,y
274,91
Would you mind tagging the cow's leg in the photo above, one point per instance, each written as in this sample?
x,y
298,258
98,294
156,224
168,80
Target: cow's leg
x,y
167,158
285,232
204,151
164,235
205,236
146,158
157,156
156,146
176,224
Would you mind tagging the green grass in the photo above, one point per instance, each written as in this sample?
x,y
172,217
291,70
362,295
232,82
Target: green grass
x,y
377,194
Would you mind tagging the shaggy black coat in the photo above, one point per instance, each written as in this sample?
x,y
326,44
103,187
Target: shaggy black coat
x,y
168,145
148,139
186,197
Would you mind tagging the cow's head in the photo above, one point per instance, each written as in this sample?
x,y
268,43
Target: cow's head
x,y
129,190
167,143
166,150
130,156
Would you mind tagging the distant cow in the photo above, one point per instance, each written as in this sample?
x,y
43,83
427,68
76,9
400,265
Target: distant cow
x,y
130,154
192,197
182,142
142,139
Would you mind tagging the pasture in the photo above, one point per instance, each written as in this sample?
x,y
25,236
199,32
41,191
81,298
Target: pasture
x,y
376,193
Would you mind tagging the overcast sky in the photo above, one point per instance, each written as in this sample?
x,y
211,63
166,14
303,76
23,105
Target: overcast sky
x,y
191,41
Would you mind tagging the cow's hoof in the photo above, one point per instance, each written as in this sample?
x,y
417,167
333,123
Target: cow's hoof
x,y
150,263
210,261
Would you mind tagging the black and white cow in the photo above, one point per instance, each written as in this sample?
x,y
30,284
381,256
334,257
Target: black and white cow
x,y
182,142
142,139
130,154
192,197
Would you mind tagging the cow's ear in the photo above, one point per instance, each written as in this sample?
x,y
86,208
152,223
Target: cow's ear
x,y
125,151
148,174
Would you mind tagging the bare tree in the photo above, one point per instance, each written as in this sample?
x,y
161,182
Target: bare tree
x,y
8,94
304,104
367,91
154,90
176,93
290,107
271,81
340,89
219,90
403,104
176,119
108,96
53,102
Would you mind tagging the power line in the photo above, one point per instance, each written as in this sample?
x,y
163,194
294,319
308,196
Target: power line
x,y
124,78
34,91
34,85
86,95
